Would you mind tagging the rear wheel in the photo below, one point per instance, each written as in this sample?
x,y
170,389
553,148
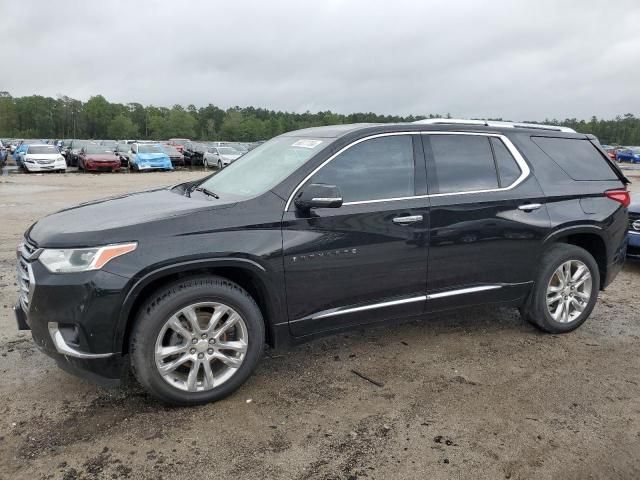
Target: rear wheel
x,y
196,340
565,291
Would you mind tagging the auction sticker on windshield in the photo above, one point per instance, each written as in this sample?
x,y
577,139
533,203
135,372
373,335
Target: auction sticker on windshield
x,y
307,143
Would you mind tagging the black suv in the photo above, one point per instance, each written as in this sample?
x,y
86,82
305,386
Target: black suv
x,y
317,231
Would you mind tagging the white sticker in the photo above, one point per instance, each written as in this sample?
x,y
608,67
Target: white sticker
x,y
307,143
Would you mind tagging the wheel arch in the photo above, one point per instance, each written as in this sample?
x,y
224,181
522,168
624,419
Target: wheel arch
x,y
249,274
589,237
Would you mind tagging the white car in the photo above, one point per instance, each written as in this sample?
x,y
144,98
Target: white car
x,y
220,157
43,158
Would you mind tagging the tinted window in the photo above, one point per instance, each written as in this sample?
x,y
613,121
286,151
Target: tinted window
x,y
463,163
578,158
372,170
508,170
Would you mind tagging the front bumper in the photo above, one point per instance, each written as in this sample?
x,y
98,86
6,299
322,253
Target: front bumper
x,y
102,166
37,167
73,319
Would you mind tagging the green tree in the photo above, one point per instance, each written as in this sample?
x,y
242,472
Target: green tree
x,y
121,127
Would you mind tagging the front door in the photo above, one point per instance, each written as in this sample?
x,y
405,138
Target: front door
x,y
367,260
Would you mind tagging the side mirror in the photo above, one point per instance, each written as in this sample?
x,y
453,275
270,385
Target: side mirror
x,y
318,195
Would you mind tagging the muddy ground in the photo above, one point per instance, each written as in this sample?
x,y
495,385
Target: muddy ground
x,y
478,394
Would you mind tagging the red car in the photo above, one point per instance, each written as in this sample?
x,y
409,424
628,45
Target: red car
x,y
179,143
98,158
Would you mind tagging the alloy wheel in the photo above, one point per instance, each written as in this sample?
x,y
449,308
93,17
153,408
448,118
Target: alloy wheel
x,y
201,346
569,291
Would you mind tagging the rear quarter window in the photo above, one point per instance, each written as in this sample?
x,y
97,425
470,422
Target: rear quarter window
x,y
580,159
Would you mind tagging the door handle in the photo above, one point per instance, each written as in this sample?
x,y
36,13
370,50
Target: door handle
x,y
527,207
408,219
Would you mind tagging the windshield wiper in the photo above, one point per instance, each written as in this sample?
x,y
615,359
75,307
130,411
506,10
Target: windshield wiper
x,y
207,192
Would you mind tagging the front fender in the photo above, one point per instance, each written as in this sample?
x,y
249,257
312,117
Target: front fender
x,y
269,287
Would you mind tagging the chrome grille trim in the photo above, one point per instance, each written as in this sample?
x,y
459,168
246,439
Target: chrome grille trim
x,y
26,253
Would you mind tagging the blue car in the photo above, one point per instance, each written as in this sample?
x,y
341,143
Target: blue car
x,y
146,156
19,152
631,154
633,248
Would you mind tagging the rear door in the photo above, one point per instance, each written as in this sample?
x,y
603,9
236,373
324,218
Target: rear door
x,y
367,260
488,219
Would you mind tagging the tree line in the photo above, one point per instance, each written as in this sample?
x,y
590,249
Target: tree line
x,y
36,116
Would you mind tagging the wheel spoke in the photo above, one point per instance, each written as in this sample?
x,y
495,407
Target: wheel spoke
x,y
209,381
557,314
236,346
176,325
227,360
190,314
231,321
192,379
578,306
565,312
171,366
554,299
583,296
215,319
554,289
579,272
586,276
164,352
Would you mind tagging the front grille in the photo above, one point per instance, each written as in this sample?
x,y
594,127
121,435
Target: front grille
x,y
45,162
26,252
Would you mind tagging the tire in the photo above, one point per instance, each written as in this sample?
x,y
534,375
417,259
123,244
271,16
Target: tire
x,y
535,309
219,164
205,163
169,302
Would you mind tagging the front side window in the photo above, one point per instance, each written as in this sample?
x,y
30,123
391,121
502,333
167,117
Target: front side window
x,y
374,169
463,163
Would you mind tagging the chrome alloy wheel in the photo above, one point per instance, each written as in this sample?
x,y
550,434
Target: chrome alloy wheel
x,y
569,291
201,346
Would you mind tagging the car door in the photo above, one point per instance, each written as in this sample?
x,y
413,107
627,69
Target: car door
x,y
365,261
488,219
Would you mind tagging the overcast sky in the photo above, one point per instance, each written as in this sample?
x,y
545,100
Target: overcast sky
x,y
513,59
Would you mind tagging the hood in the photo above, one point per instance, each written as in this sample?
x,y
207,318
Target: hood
x,y
119,219
230,157
151,156
102,157
43,156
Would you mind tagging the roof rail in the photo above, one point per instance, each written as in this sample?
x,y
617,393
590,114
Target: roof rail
x,y
493,123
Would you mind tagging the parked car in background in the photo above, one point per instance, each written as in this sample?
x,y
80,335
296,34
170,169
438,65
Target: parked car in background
x,y
179,143
110,144
146,156
176,157
98,158
633,248
123,151
18,153
43,158
74,150
4,152
220,157
198,149
611,151
316,232
629,154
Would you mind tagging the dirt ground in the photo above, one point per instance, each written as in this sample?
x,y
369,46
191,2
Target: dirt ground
x,y
479,394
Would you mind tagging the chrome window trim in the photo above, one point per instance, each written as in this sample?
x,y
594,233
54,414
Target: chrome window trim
x,y
525,171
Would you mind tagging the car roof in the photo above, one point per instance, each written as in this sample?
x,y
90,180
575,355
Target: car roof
x,y
337,131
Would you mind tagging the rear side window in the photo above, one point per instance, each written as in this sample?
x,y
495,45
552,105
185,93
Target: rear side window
x,y
578,158
463,163
372,170
508,169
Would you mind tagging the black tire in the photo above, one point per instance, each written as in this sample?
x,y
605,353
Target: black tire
x,y
219,165
535,309
162,305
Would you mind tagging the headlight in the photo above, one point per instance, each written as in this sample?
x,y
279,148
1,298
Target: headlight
x,y
82,259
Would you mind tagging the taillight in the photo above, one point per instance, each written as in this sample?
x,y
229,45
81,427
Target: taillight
x,y
619,195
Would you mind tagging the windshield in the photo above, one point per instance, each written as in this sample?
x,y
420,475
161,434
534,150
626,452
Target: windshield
x,y
228,151
148,149
124,147
97,150
635,149
264,167
43,150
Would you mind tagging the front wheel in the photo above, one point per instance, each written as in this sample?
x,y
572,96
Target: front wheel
x,y
196,340
219,165
565,290
206,163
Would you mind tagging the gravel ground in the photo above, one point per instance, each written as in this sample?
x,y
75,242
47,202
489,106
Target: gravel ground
x,y
478,394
